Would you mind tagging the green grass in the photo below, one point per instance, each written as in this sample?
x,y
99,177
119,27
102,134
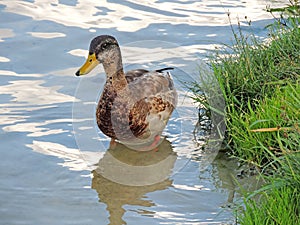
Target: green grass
x,y
279,201
251,72
267,128
276,208
260,85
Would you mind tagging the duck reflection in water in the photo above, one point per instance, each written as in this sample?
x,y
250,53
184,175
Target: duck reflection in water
x,y
124,177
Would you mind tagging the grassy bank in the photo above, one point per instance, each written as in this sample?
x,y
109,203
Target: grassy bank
x,y
260,84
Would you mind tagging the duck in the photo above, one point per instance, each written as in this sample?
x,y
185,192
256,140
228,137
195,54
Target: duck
x,y
134,107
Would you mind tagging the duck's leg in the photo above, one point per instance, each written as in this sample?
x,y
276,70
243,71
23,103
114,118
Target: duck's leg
x,y
153,146
155,143
112,143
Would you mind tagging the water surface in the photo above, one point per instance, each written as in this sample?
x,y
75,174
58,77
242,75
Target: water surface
x,y
56,166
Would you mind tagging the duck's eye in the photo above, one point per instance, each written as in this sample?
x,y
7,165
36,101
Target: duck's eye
x,y
104,46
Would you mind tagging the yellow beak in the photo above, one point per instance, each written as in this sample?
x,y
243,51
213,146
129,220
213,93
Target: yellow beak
x,y
89,65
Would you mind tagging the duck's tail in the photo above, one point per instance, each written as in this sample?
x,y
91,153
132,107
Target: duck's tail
x,y
163,69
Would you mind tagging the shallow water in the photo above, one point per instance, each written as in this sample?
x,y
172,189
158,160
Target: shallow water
x,y
56,167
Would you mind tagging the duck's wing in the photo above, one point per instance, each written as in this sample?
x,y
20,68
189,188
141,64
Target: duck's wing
x,y
132,75
153,99
149,85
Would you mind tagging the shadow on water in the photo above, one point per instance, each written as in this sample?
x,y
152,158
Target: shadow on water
x,y
145,171
124,177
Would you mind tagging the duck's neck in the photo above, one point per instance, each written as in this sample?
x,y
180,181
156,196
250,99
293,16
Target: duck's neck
x,y
113,68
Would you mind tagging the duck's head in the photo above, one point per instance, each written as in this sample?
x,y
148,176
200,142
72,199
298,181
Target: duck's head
x,y
103,49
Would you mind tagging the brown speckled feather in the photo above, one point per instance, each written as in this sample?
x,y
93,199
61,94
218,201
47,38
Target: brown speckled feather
x,y
140,110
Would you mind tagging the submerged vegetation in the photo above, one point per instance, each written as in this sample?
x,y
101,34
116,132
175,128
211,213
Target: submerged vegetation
x,y
260,82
